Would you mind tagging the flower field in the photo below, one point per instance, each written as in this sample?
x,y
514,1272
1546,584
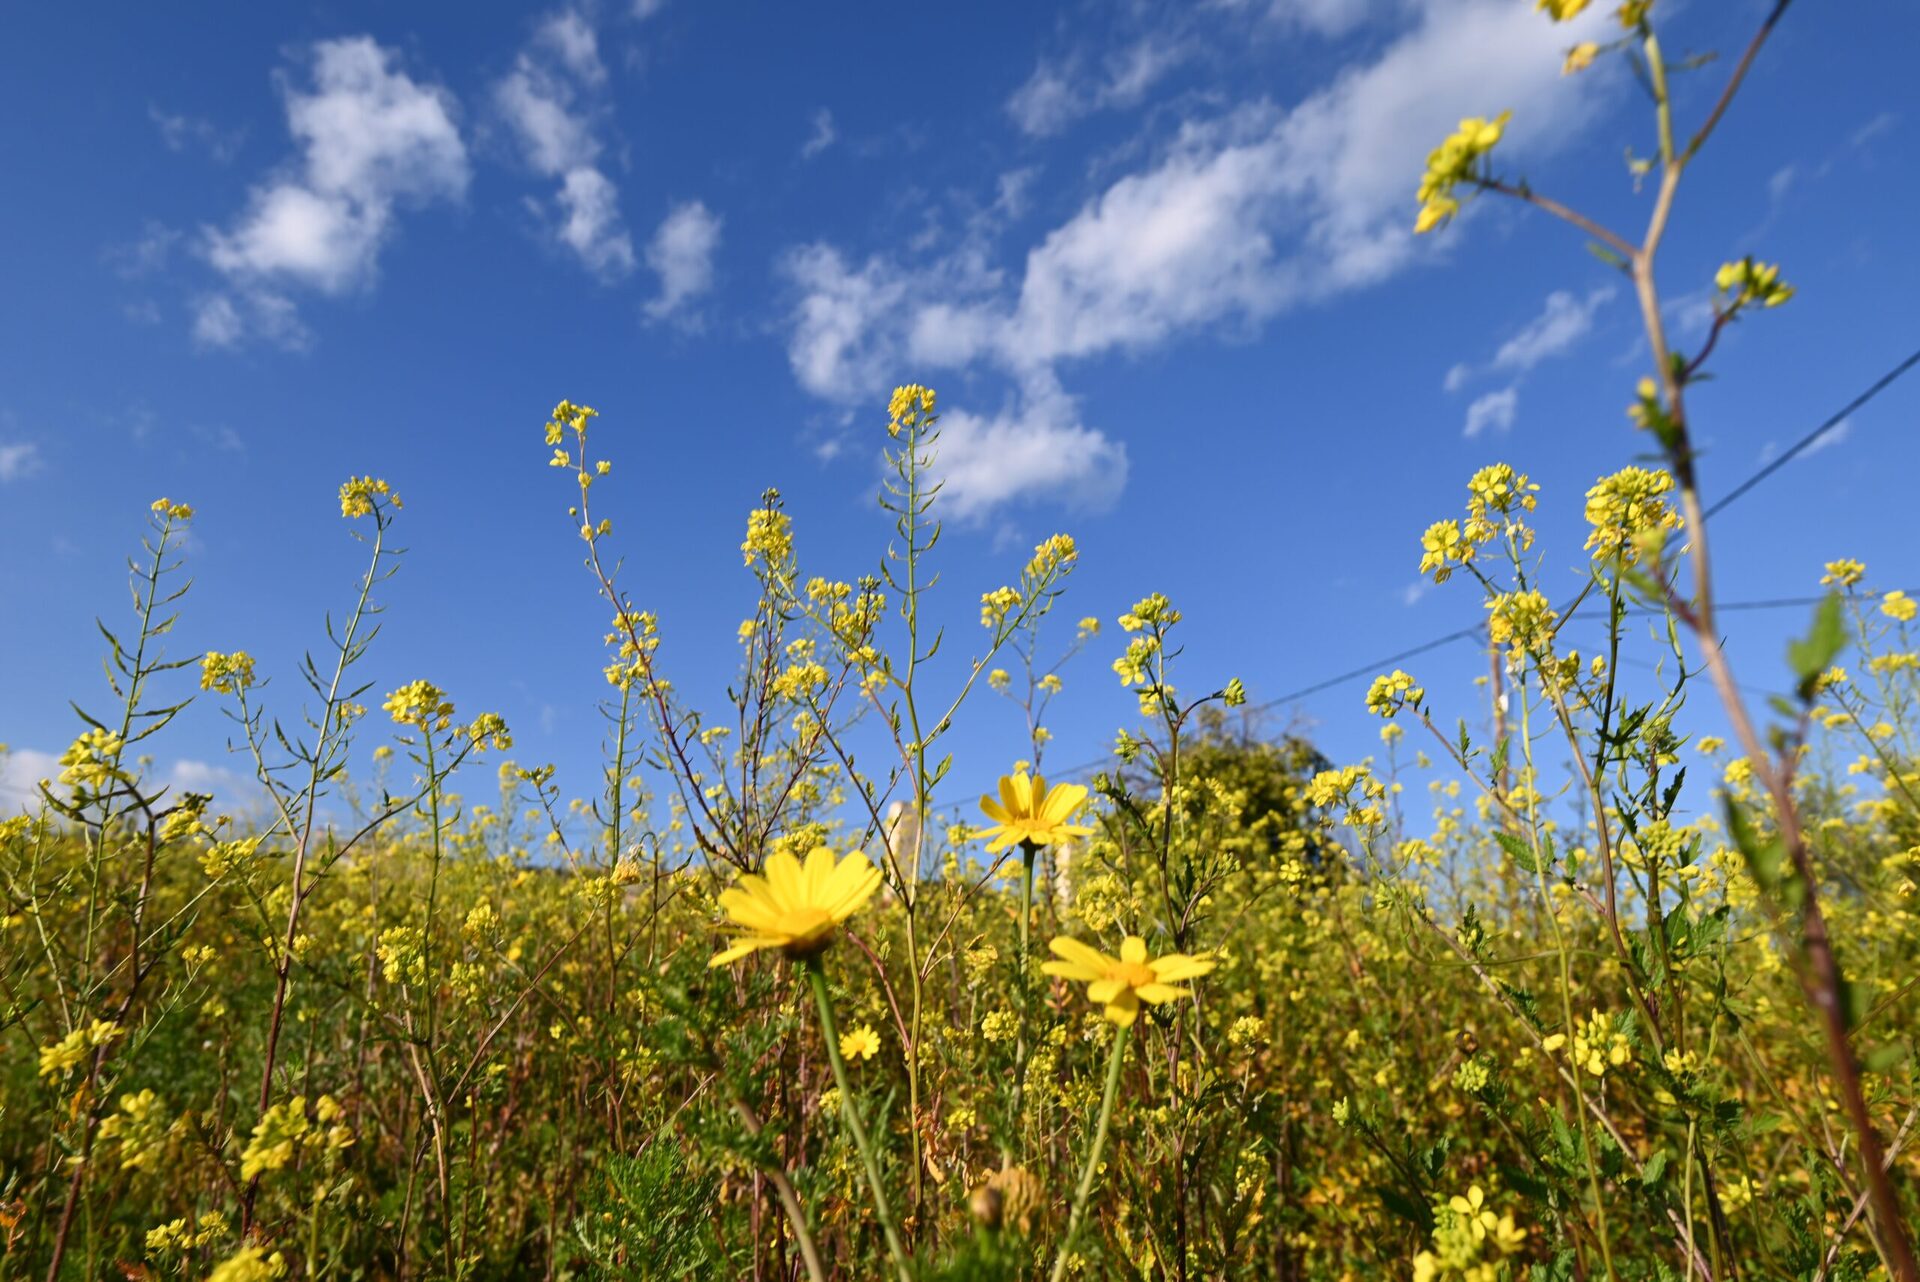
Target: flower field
x,y
1550,987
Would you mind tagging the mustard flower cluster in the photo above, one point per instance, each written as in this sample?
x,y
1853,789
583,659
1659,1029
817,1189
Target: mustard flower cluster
x,y
172,511
996,605
359,495
769,540
1498,497
1745,282
910,406
1392,692
1627,512
1470,1241
1452,163
1844,573
285,1129
1898,606
92,761
1352,789
226,673
568,416
62,1057
421,704
1522,621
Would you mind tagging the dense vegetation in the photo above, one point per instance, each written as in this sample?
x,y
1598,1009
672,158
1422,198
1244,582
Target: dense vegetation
x,y
1547,989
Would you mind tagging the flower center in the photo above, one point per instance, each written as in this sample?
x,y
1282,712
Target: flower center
x,y
1133,974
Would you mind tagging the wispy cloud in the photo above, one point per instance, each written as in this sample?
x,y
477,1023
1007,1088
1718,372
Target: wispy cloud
x,y
1492,412
1838,434
1060,91
550,101
18,460
183,132
822,137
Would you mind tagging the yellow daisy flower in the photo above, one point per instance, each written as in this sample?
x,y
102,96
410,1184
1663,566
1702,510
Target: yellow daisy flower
x,y
1121,984
860,1043
794,907
1029,811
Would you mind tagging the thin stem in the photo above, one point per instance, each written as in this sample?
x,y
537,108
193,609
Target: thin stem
x,y
1084,1192
817,977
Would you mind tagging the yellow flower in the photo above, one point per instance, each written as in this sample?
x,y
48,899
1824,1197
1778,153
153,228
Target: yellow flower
x,y
1452,163
1392,692
226,673
1897,605
1844,573
1580,57
1627,513
173,511
860,1043
795,907
1029,811
1747,281
359,495
1121,984
422,704
1562,10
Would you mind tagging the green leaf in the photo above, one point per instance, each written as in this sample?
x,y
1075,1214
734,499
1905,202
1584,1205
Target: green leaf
x,y
1814,653
1519,852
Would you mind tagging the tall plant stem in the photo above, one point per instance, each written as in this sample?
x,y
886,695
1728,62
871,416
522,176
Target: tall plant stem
x,y
817,977
1115,1059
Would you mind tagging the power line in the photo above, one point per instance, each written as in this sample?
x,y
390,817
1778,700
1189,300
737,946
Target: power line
x,y
1879,385
1833,420
1739,491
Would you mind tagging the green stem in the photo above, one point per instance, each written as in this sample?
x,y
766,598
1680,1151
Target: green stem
x,y
817,976
1092,1168
1028,854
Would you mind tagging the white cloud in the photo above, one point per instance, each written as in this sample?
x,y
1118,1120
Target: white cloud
x,y
1234,220
1457,377
1058,93
371,139
18,460
681,254
1564,321
822,136
644,9
543,102
1036,447
1494,410
592,226
21,770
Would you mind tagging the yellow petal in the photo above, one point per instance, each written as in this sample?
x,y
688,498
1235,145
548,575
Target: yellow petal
x,y
1133,950
817,872
1105,990
1063,801
1123,1008
746,910
1178,966
1072,970
786,879
1080,954
741,947
994,810
1160,992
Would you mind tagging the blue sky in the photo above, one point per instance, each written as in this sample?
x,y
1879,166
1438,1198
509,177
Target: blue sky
x,y
1157,259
